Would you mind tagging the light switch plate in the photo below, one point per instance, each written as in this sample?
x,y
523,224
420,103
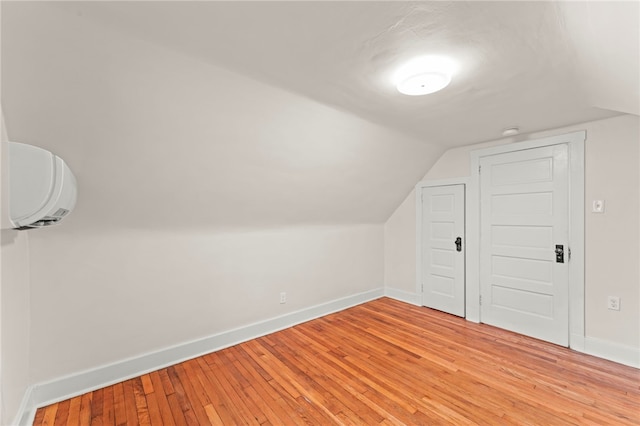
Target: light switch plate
x,y
597,206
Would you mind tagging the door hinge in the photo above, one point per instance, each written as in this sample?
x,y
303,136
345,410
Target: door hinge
x,y
479,169
480,300
568,253
422,287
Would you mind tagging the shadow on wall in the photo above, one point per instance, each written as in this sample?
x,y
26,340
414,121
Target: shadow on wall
x,y
9,237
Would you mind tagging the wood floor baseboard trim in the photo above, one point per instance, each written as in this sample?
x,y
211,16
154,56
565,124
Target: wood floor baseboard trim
x,y
627,355
403,296
27,409
42,394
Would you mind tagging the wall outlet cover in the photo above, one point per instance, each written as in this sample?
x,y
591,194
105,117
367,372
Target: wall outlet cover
x,y
613,303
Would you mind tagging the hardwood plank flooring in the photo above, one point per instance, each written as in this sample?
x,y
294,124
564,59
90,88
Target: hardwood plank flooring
x,y
383,362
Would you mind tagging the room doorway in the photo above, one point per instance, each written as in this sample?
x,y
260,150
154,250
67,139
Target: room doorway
x,y
524,242
525,258
442,242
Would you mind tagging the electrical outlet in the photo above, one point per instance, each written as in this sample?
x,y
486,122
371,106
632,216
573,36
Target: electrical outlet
x,y
613,303
283,297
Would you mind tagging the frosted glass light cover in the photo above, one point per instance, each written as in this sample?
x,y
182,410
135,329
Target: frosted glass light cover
x,y
423,84
424,74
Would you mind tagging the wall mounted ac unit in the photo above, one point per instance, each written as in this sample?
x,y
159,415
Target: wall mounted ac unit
x,y
42,188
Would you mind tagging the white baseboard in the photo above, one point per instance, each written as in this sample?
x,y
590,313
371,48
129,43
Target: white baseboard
x,y
403,296
576,342
25,413
42,394
627,355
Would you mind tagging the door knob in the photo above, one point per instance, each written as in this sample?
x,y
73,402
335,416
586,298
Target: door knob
x,y
559,253
458,244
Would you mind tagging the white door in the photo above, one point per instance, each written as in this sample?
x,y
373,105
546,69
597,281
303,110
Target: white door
x,y
443,281
523,222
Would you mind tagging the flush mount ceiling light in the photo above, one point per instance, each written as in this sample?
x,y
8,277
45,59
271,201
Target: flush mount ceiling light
x,y
424,75
423,83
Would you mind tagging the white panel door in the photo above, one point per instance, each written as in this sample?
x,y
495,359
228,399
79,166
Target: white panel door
x,y
523,220
443,281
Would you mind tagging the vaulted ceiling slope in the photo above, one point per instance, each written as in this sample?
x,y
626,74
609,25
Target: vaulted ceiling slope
x,y
271,113
158,139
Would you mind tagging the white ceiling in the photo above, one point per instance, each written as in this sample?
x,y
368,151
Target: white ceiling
x,y
537,65
260,114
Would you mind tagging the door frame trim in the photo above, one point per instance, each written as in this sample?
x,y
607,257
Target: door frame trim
x,y
575,142
428,184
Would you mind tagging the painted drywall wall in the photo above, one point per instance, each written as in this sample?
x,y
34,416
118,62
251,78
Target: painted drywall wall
x,y
606,37
612,239
14,307
400,228
15,322
611,157
3,169
202,194
106,296
160,139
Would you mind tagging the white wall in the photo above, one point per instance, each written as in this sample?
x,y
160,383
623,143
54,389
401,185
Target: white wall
x,y
612,240
15,322
101,297
14,307
400,228
202,193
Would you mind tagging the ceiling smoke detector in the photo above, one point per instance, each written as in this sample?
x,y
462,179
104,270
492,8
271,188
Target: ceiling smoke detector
x,y
511,131
424,75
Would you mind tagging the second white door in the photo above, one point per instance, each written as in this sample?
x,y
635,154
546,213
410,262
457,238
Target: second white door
x,y
523,248
443,273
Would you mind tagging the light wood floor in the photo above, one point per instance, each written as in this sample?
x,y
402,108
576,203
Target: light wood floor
x,y
383,362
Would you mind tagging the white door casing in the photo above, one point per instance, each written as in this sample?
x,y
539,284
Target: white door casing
x,y
576,144
441,259
523,220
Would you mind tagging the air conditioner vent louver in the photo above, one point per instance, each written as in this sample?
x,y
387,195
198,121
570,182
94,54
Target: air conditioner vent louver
x,y
60,213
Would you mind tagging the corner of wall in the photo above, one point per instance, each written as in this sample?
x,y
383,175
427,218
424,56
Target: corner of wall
x,y
605,334
14,307
42,394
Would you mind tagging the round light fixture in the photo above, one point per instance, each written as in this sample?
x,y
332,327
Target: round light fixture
x,y
424,83
424,75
